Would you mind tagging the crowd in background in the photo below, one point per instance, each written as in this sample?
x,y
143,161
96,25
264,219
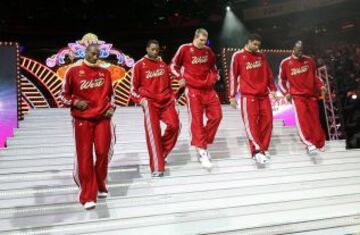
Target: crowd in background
x,y
342,60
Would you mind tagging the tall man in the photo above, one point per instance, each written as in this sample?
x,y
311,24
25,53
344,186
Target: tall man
x,y
250,75
300,85
194,65
151,88
87,89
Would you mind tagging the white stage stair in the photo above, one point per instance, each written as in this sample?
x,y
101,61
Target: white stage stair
x,y
295,194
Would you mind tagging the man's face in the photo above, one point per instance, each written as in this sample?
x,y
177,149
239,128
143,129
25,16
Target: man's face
x,y
298,50
152,50
92,54
200,41
254,45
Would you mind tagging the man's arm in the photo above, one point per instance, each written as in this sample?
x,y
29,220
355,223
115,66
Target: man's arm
x,y
66,95
270,78
176,64
234,75
282,82
213,69
110,112
135,85
234,78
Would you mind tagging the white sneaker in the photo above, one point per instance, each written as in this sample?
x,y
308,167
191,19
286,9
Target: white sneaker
x,y
209,156
267,154
204,159
89,205
102,194
157,174
311,149
261,158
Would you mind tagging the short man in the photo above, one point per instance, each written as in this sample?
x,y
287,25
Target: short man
x,y
87,89
151,88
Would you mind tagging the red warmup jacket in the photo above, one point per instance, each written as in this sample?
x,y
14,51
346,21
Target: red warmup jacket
x,y
151,80
250,74
90,83
196,66
300,75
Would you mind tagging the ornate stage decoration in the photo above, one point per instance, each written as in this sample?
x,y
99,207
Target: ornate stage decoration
x,y
41,84
113,59
77,51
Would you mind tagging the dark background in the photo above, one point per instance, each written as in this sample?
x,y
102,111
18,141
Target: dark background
x,y
43,27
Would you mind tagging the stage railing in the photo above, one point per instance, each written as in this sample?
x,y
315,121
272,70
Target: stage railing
x,y
331,110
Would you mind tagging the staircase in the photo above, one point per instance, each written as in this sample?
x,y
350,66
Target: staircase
x,y
294,194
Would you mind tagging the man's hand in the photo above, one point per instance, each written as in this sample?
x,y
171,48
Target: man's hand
x,y
143,102
82,105
182,82
109,113
233,103
273,95
288,97
323,91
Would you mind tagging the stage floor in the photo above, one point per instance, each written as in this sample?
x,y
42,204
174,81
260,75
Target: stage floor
x,y
294,194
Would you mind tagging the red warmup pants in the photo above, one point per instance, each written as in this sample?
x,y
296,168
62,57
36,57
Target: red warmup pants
x,y
91,177
159,146
200,102
308,121
258,121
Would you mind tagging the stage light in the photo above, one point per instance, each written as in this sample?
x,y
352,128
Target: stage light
x,y
233,32
354,97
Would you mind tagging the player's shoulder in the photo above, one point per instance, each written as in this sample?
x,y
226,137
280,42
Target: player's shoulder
x,y
139,62
162,62
104,70
237,53
73,67
285,60
185,46
260,54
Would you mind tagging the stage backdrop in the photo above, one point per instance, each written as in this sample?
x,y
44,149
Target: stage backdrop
x,y
281,108
41,83
8,90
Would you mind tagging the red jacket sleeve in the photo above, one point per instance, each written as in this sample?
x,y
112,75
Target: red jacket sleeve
x,y
170,76
177,62
136,84
111,91
282,79
234,75
214,72
270,77
66,95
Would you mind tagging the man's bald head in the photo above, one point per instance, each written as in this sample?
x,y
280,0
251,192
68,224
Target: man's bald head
x,y
92,53
298,49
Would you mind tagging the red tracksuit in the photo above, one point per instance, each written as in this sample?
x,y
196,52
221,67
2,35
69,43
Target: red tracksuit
x,y
198,68
251,75
151,81
304,86
92,84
